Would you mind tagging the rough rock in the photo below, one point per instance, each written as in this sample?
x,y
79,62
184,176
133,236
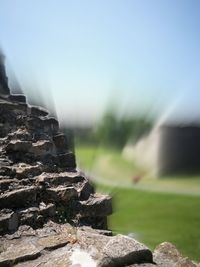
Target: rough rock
x,y
37,166
126,251
61,194
18,198
96,205
42,147
63,245
18,98
61,142
62,178
38,111
24,170
53,239
167,255
18,145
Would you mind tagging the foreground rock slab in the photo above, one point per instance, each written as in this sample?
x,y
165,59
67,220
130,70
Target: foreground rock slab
x,y
124,251
62,245
56,244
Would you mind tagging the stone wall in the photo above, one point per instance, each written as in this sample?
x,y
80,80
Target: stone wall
x,y
38,177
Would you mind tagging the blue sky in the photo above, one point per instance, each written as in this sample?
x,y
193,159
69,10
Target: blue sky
x,y
87,53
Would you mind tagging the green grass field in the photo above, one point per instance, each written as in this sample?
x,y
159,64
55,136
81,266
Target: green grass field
x,y
157,217
111,168
153,217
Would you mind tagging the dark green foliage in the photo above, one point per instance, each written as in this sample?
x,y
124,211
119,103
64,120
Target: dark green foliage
x,y
113,131
116,132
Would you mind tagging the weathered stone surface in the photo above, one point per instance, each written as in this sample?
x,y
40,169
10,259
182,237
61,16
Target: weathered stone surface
x,y
18,98
48,210
7,171
18,145
34,123
86,190
4,184
12,108
29,136
5,162
96,205
51,124
169,250
20,134
50,163
64,245
3,130
60,141
67,160
185,262
57,258
38,111
47,125
42,147
64,178
55,239
167,255
13,222
29,216
18,250
24,170
8,222
31,245
18,198
124,251
97,222
61,194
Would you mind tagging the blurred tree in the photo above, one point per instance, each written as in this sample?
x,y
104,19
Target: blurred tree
x,y
116,132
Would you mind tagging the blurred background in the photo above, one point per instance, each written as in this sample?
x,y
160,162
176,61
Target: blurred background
x,y
123,76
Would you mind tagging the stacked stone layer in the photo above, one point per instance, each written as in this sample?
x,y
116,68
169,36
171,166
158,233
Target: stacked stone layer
x,y
38,177
61,245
